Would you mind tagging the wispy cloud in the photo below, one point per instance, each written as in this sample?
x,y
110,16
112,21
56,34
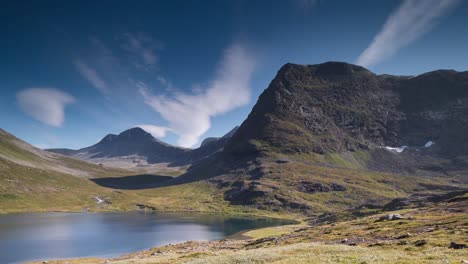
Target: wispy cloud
x,y
108,70
46,105
92,77
189,115
409,22
156,131
142,48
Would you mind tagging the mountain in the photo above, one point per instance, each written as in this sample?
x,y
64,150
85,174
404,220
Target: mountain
x,y
338,108
220,140
335,135
135,148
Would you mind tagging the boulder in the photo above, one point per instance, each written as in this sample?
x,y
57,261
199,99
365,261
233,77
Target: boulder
x,y
391,217
457,246
404,236
420,243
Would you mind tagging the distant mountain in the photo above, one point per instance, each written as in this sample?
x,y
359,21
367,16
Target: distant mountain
x,y
224,138
138,148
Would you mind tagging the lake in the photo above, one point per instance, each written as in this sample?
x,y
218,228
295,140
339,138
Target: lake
x,y
43,236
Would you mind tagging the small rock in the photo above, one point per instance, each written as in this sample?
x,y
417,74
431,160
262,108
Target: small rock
x,y
344,241
420,243
457,246
157,253
352,244
404,236
391,217
375,245
282,160
464,261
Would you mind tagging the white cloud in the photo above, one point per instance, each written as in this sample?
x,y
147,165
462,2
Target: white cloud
x,y
156,131
410,21
46,105
189,115
91,75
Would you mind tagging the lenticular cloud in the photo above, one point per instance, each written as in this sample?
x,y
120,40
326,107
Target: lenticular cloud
x,y
46,105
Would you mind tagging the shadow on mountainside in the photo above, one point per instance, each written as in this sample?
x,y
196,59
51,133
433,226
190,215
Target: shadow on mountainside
x,y
135,182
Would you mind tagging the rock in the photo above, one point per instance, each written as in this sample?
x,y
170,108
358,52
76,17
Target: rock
x,y
313,187
243,193
375,245
404,236
391,217
420,243
282,160
145,207
464,261
457,246
344,241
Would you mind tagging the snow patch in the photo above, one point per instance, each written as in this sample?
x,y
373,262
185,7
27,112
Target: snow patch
x,y
397,149
429,144
98,200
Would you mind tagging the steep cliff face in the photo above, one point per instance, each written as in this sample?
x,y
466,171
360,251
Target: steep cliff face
x,y
335,107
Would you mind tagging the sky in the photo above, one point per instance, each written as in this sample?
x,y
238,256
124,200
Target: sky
x,y
72,72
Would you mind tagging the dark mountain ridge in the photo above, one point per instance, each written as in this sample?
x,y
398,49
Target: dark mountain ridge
x,y
334,133
335,107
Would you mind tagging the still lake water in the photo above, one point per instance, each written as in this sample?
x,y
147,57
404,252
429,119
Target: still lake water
x,y
43,236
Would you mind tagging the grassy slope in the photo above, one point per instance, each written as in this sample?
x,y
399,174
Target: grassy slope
x,y
18,151
38,188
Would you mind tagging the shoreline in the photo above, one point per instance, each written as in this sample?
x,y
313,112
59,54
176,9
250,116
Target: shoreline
x,y
239,236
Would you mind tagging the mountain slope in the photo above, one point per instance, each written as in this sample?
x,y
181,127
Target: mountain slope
x,y
320,137
17,151
34,180
335,107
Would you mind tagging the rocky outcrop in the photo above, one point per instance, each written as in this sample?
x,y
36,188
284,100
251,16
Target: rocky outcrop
x,y
312,187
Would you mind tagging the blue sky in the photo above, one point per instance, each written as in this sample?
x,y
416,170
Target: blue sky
x,y
74,71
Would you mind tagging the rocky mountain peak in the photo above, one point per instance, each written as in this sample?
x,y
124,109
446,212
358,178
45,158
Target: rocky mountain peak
x,y
335,107
135,133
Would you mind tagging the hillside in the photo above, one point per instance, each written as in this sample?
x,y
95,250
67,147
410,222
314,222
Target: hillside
x,y
22,153
335,136
343,108
33,180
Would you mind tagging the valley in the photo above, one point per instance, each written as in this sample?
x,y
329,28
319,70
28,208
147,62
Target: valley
x,y
339,149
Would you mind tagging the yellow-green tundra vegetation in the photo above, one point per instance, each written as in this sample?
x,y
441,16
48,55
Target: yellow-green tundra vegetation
x,y
330,227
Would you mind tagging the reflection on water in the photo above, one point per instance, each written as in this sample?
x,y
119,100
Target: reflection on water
x,y
65,235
